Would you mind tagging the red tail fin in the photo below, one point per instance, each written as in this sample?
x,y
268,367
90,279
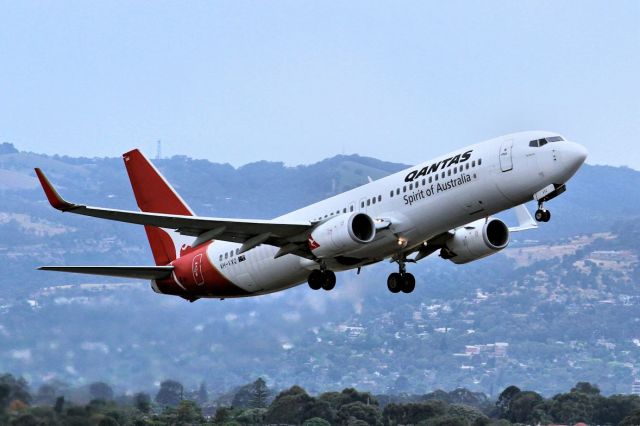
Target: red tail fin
x,y
155,195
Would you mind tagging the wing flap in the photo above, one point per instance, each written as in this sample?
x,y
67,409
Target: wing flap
x,y
142,272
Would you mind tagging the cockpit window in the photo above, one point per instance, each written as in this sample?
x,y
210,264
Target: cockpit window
x,y
541,142
538,142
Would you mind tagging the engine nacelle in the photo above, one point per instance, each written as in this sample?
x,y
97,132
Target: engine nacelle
x,y
341,235
476,240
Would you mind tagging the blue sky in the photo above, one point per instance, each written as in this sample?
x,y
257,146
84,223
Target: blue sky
x,y
300,81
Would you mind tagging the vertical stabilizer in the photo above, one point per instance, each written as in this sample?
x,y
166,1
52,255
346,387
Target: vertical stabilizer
x,y
155,195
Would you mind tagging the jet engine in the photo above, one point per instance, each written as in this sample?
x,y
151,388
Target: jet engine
x,y
476,240
341,235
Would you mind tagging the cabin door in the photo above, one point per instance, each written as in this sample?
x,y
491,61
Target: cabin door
x,y
506,161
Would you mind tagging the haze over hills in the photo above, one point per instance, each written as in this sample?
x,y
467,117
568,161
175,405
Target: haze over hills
x,y
560,305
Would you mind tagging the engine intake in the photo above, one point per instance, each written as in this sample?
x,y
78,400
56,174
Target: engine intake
x,y
342,234
476,240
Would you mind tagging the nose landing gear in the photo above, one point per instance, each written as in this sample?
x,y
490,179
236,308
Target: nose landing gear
x,y
402,280
322,279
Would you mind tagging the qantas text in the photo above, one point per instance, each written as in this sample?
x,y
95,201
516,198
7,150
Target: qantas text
x,y
440,165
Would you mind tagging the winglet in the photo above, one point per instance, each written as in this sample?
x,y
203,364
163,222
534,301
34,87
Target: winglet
x,y
56,201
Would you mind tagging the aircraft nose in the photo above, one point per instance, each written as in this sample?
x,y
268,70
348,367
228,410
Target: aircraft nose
x,y
576,154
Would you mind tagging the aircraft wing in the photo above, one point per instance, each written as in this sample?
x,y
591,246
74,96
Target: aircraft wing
x,y
143,272
290,237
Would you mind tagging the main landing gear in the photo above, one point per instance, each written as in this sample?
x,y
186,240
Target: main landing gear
x,y
402,280
542,214
322,279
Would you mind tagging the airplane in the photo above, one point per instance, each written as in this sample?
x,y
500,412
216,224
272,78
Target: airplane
x,y
445,204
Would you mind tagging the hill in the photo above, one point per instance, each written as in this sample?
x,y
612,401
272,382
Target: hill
x,y
560,305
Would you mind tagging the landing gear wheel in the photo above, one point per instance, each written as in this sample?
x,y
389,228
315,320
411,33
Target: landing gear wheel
x,y
315,279
329,281
409,283
543,215
395,282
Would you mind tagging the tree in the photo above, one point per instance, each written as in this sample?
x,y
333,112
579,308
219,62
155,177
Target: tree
x,y
18,389
260,394
101,390
504,400
59,405
188,412
203,395
316,421
632,419
142,402
572,407
347,396
414,412
359,411
522,406
294,406
170,393
252,416
586,388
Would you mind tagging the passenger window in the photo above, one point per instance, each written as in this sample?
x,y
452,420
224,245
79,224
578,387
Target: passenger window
x,y
404,188
337,211
410,186
436,178
473,163
398,191
351,208
479,161
344,210
467,166
220,258
373,201
237,251
368,202
430,179
362,204
379,197
391,194
424,181
226,255
442,175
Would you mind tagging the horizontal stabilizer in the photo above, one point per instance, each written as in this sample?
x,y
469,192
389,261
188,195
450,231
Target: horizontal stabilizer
x,y
142,272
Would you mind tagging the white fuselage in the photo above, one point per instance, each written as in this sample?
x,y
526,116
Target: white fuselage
x,y
420,202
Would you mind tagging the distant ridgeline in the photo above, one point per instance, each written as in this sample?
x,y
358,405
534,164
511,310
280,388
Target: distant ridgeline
x,y
563,301
7,148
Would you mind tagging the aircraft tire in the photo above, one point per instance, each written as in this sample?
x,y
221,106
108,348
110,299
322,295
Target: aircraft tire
x,y
315,279
539,215
547,216
329,281
409,283
395,282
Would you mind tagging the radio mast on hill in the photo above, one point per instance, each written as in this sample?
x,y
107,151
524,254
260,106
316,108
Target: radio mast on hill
x,y
159,150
